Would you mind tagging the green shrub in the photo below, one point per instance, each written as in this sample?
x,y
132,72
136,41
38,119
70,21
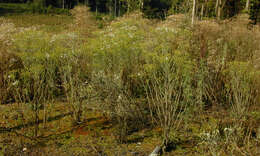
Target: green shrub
x,y
44,58
169,91
115,55
241,87
118,58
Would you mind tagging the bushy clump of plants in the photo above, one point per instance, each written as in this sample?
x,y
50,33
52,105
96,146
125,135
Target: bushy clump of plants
x,y
76,77
235,134
118,52
118,59
170,91
241,87
8,63
52,66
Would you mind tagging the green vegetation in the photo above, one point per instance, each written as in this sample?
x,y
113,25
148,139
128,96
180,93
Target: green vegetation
x,y
17,8
69,86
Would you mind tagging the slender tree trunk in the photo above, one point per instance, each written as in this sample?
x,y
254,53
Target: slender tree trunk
x,y
221,5
128,6
96,9
196,9
247,5
219,9
216,7
193,12
63,4
119,7
141,5
202,10
115,7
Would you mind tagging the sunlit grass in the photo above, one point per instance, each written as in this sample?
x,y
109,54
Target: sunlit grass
x,y
49,23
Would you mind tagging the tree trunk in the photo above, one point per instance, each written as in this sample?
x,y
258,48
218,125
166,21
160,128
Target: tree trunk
x,y
128,6
219,9
115,8
96,9
193,12
119,5
141,5
202,10
221,5
216,7
247,5
206,8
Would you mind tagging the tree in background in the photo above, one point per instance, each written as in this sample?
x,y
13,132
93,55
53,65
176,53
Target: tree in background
x,y
220,9
193,12
255,11
247,5
156,8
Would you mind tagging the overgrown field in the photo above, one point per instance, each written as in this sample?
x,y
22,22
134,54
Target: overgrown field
x,y
68,87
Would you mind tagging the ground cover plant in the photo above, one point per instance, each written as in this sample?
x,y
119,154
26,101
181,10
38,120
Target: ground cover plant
x,y
127,87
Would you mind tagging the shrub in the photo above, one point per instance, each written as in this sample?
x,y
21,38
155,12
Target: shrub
x,y
169,91
241,87
115,56
8,63
76,76
118,73
44,58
